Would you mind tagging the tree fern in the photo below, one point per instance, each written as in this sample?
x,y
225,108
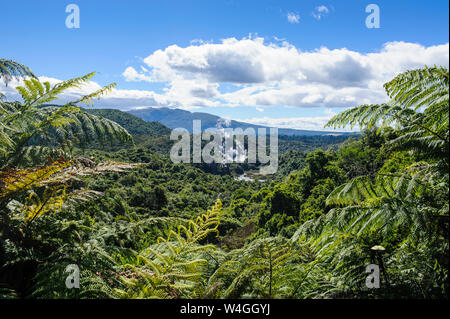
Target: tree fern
x,y
172,267
425,132
418,107
409,202
271,267
10,69
29,122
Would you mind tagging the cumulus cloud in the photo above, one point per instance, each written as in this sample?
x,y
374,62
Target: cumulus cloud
x,y
130,74
279,73
293,17
307,95
256,73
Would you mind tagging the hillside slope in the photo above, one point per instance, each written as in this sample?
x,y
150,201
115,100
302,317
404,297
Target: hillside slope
x,y
133,124
175,118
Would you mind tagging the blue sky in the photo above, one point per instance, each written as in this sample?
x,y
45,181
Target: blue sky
x,y
282,64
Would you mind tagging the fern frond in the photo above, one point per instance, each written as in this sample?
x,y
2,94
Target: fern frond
x,y
10,69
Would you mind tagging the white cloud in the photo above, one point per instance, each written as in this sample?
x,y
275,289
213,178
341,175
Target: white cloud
x,y
253,61
259,73
322,9
301,123
293,17
320,12
280,74
130,74
316,123
307,95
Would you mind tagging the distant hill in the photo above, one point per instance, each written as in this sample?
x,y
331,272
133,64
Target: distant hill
x,y
133,124
176,118
155,136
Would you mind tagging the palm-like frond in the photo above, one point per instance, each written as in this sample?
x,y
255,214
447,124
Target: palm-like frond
x,y
423,131
418,106
11,69
24,125
426,87
172,267
271,267
410,202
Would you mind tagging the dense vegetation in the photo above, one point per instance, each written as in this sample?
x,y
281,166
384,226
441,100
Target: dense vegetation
x,y
76,188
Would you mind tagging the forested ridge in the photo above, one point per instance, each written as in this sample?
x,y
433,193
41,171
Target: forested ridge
x,y
97,189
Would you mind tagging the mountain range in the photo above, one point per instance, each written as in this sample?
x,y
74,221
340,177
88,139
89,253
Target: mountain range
x,y
176,118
